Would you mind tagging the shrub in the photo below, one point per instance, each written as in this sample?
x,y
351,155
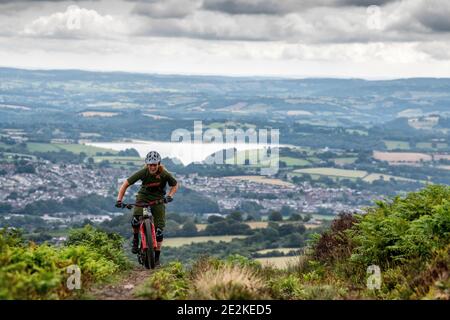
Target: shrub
x,y
30,271
408,228
168,283
286,287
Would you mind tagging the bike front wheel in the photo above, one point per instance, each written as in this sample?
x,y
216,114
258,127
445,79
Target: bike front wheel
x,y
149,260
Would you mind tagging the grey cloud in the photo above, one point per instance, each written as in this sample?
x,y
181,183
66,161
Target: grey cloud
x,y
435,17
274,7
162,9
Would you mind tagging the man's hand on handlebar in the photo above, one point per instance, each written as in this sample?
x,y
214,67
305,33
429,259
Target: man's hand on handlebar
x,y
119,204
168,199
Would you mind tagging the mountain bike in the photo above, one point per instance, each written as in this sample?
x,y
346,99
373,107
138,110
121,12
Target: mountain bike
x,y
147,234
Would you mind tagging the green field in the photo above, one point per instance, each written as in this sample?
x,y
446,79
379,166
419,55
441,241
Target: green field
x,y
178,242
75,148
290,161
376,176
429,145
395,144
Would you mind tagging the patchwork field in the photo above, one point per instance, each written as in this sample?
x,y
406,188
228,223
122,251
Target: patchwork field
x,y
178,242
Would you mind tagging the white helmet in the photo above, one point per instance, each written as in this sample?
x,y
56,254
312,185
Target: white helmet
x,y
152,157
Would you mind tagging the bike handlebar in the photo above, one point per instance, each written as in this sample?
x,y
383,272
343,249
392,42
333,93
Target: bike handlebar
x,y
143,204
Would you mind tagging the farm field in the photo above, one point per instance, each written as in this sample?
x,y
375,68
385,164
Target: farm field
x,y
394,144
75,148
201,226
178,242
343,161
257,224
290,161
279,262
401,156
377,176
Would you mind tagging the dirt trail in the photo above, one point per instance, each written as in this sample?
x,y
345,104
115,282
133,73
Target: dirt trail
x,y
122,289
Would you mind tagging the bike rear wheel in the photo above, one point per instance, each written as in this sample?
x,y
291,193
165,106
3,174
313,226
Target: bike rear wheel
x,y
149,260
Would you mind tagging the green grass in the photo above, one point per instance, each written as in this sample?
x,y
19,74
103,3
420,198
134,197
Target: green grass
x,y
290,161
178,242
396,144
42,147
75,148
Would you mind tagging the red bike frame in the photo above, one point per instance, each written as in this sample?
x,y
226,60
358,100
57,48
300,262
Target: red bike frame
x,y
143,239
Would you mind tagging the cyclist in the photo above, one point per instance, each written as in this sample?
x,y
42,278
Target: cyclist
x,y
154,178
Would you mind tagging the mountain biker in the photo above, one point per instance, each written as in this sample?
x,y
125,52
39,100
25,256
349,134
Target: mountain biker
x,y
154,178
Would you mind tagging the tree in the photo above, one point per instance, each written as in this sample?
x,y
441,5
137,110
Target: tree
x,y
214,219
275,216
189,229
236,215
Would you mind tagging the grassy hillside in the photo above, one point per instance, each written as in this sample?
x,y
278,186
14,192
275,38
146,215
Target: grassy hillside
x,y
407,238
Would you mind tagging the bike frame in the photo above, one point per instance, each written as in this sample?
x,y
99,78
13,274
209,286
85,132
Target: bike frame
x,y
146,215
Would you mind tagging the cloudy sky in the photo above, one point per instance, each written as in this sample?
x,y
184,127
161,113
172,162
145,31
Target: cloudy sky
x,y
294,38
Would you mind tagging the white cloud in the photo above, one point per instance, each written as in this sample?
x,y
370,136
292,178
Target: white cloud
x,y
75,22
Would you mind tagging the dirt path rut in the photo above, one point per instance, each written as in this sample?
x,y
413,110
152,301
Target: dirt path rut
x,y
122,289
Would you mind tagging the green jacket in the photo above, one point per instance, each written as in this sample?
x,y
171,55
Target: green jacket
x,y
153,185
